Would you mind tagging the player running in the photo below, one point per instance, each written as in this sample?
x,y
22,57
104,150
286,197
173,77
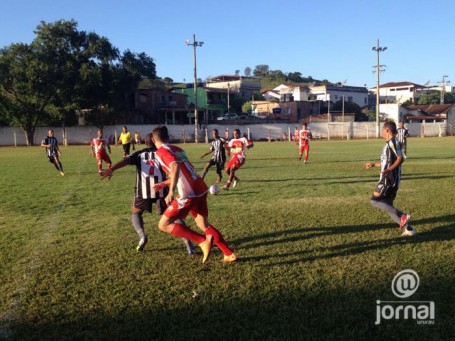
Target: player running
x,y
304,142
237,147
53,151
148,173
192,198
99,147
389,180
219,155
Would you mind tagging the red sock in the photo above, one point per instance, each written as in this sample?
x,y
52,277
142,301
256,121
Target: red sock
x,y
183,231
219,240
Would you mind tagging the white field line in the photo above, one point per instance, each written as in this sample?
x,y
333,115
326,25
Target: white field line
x,y
32,267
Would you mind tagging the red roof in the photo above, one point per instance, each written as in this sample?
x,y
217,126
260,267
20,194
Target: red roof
x,y
431,109
400,84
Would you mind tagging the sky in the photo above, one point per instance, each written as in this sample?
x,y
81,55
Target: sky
x,y
324,39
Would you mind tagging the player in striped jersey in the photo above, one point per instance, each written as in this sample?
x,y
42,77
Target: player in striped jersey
x,y
389,179
219,155
99,148
191,198
402,136
148,173
53,151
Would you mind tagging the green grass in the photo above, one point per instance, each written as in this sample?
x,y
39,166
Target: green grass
x,y
314,255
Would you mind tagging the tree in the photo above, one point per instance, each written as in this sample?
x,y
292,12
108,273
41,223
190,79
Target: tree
x,y
295,77
58,72
435,98
63,70
246,107
350,107
247,71
261,70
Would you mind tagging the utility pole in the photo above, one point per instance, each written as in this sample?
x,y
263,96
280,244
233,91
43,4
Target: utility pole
x,y
443,88
378,66
195,44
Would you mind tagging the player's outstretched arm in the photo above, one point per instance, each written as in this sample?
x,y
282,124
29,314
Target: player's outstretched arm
x,y
160,185
107,173
205,154
369,165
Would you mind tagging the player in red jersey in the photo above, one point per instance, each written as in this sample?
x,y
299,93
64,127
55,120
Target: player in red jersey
x,y
296,136
99,147
236,147
304,142
191,198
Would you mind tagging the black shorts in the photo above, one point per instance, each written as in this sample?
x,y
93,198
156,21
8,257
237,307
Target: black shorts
x,y
146,204
219,165
387,192
51,158
126,148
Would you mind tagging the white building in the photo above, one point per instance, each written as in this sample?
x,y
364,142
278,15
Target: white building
x,y
334,93
399,92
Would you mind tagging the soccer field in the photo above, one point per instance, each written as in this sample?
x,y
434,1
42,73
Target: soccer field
x,y
314,256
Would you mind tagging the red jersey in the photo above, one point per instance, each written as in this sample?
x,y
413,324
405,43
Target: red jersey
x,y
296,136
304,137
99,145
238,146
189,183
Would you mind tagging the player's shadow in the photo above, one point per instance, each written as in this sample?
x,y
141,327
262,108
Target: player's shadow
x,y
352,179
426,176
441,233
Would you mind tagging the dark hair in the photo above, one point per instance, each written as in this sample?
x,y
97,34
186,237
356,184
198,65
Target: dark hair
x,y
161,133
391,126
237,131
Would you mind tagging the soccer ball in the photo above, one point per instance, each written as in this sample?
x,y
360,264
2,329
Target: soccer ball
x,y
214,189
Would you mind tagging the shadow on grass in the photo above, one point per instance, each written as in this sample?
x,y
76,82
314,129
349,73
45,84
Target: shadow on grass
x,y
324,312
441,233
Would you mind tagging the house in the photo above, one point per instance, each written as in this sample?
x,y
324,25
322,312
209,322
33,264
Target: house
x,y
399,92
219,95
334,93
431,113
159,106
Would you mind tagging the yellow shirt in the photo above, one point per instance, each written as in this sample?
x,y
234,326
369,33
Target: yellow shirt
x,y
125,137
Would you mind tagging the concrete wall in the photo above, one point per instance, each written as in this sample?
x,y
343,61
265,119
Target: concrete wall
x,y
10,136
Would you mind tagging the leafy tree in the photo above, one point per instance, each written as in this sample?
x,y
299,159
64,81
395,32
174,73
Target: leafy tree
x,y
247,71
435,98
261,70
295,77
62,69
246,107
350,107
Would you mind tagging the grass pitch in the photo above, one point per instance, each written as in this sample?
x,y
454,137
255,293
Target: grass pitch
x,y
315,257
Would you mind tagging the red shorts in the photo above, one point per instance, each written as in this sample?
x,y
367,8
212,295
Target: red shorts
x,y
180,207
104,157
236,162
305,147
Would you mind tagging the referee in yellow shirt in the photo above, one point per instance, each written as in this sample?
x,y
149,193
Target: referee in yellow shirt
x,y
125,139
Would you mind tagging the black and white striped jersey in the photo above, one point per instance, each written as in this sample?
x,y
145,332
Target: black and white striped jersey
x,y
148,173
402,134
219,152
390,181
52,141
